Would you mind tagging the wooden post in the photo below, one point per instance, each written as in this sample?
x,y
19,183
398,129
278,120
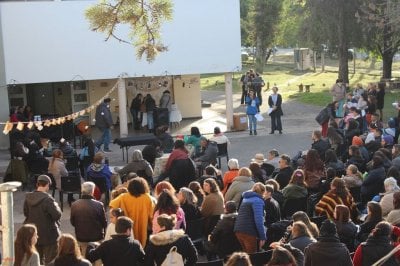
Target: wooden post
x,y
123,120
229,101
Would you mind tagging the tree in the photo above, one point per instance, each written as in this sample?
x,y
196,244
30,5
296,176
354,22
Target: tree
x,y
333,22
144,17
264,21
379,20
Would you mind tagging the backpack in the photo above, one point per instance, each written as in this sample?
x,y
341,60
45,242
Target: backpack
x,y
173,258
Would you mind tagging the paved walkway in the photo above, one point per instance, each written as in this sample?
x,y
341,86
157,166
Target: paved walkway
x,y
298,122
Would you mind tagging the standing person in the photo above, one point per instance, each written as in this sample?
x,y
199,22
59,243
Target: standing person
x,y
138,205
380,99
338,92
166,100
88,217
150,104
243,80
24,246
43,211
258,83
135,110
249,226
275,105
104,123
253,104
325,115
121,250
69,253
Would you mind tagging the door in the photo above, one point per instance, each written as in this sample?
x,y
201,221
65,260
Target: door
x,y
80,99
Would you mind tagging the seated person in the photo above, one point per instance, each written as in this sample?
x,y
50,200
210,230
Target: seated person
x,y
98,169
285,171
66,147
139,166
272,209
219,137
212,172
319,144
194,139
166,140
152,151
273,158
208,154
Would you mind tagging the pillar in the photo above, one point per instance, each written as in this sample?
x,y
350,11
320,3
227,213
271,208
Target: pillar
x,y
229,101
123,119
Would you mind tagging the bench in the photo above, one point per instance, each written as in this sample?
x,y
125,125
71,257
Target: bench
x,y
307,87
126,143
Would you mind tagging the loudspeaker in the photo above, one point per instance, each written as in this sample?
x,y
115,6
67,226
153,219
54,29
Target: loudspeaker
x,y
161,117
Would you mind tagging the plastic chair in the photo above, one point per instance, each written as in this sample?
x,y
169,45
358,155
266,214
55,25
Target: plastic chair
x,y
261,258
70,184
101,183
222,152
212,263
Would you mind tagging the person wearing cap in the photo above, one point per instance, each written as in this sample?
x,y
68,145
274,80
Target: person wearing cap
x,y
275,105
42,210
208,154
387,142
328,250
104,123
386,201
357,141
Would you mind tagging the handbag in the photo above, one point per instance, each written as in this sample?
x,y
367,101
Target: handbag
x,y
173,258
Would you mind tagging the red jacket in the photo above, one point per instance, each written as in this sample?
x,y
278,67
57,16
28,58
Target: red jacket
x,y
176,154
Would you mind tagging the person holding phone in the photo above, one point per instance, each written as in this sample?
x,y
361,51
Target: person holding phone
x,y
253,103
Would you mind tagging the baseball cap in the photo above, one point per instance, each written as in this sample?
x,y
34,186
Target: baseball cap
x,y
44,178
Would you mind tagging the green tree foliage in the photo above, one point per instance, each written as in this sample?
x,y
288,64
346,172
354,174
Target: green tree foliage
x,y
145,18
379,20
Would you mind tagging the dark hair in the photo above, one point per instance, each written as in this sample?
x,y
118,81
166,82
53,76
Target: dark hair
x,y
217,130
334,136
230,206
377,161
167,203
196,188
313,161
340,187
396,150
195,131
138,186
298,178
342,213
355,151
210,170
396,200
386,152
117,212
23,243
269,188
239,259
382,229
330,173
68,247
330,156
393,172
274,183
123,223
179,144
286,158
353,124
281,256
375,212
256,170
213,185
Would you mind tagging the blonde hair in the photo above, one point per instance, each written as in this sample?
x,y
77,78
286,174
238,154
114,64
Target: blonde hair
x,y
245,171
259,188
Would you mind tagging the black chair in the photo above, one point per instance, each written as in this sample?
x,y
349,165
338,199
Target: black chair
x,y
72,163
222,152
210,223
194,229
70,184
101,183
261,258
291,206
356,193
212,263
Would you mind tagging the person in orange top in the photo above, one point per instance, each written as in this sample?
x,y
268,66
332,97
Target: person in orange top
x,y
137,205
233,166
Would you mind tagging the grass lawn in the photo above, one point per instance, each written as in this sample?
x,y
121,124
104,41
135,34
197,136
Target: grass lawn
x,y
284,76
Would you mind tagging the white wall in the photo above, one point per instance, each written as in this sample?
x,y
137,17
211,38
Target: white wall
x,y
51,41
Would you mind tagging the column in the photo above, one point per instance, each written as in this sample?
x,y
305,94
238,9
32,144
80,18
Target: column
x,y
123,120
229,101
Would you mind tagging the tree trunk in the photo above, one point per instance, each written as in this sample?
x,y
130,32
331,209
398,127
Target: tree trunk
x,y
387,61
261,53
342,46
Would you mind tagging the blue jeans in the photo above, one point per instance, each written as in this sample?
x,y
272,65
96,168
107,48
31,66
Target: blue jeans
x,y
252,122
150,120
105,138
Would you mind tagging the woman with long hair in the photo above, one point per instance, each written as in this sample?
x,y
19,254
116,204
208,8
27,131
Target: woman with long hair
x,y
194,139
303,217
24,246
353,177
188,202
346,229
213,203
137,204
374,216
167,203
338,194
282,257
168,237
297,188
259,174
69,253
198,192
313,170
332,161
57,167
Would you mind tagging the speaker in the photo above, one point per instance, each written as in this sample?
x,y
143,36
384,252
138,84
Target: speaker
x,y
161,117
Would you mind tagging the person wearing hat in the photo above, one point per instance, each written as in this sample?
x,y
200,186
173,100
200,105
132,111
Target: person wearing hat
x,y
42,210
357,141
387,141
104,123
328,250
258,158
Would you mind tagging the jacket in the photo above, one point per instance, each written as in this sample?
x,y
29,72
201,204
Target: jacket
x,y
252,105
89,219
250,219
150,103
278,110
160,244
69,260
239,185
103,116
301,242
328,251
121,250
338,92
100,171
293,191
176,154
394,217
373,183
326,206
223,240
325,115
210,154
228,178
181,173
283,176
347,233
213,204
166,101
321,146
141,168
372,250
43,211
387,203
272,211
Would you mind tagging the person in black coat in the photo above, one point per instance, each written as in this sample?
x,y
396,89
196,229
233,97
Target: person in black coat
x,y
272,209
222,239
135,110
373,218
373,183
319,144
285,171
121,250
160,244
275,105
152,151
